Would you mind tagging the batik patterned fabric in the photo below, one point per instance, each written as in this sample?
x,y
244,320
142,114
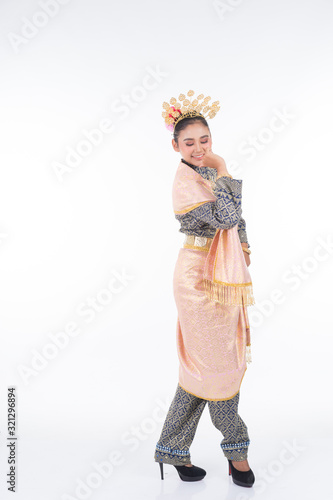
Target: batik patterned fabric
x,y
173,446
223,214
211,338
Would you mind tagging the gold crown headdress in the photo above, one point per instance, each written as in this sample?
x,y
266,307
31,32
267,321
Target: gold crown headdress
x,y
176,111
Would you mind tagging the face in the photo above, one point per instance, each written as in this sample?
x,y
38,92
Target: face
x,y
193,142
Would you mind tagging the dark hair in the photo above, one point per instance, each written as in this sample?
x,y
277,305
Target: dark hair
x,y
180,125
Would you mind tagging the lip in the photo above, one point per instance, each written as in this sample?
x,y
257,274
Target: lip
x,y
198,157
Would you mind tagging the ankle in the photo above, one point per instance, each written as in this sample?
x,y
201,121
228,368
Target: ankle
x,y
241,465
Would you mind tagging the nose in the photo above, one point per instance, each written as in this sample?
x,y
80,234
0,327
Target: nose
x,y
198,148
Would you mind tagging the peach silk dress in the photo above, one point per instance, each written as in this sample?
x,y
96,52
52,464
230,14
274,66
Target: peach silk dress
x,y
211,337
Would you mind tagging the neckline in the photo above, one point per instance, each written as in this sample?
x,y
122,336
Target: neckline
x,y
187,163
195,166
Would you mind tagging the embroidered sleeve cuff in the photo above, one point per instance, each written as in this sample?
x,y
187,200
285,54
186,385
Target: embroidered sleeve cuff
x,y
243,236
242,231
229,185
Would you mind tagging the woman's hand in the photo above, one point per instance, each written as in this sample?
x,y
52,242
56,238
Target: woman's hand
x,y
246,255
213,160
247,258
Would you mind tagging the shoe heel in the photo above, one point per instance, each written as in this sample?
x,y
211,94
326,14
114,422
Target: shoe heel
x,y
241,478
161,468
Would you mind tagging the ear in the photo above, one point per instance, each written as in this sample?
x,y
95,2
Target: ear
x,y
174,145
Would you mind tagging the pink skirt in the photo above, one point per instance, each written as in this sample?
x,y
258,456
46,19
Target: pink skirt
x,y
211,337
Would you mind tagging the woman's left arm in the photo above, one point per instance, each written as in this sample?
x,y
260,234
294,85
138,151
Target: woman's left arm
x,y
243,239
242,232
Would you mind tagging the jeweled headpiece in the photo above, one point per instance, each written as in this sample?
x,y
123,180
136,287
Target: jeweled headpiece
x,y
174,111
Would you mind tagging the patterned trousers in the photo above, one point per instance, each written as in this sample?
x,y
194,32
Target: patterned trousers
x,y
181,424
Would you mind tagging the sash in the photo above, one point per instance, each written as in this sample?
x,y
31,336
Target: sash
x,y
226,276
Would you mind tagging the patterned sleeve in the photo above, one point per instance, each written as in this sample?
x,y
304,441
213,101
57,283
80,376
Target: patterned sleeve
x,y
242,231
226,211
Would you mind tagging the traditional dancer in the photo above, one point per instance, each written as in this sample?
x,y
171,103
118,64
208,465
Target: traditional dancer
x,y
212,289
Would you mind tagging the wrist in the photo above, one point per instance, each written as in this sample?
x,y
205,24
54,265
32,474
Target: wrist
x,y
223,174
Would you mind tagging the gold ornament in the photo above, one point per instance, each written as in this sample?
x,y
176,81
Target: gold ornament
x,y
174,110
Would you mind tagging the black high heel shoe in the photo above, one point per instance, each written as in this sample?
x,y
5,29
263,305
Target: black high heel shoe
x,y
187,473
242,478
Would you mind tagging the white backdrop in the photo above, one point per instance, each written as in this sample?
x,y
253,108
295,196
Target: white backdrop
x,y
88,238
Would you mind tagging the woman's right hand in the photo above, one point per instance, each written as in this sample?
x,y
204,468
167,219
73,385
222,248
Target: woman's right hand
x,y
213,160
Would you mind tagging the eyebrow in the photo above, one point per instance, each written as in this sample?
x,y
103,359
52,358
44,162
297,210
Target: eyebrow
x,y
191,138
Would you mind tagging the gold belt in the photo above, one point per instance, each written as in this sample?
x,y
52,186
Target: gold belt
x,y
197,242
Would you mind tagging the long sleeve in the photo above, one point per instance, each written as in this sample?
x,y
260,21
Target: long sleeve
x,y
226,211
242,232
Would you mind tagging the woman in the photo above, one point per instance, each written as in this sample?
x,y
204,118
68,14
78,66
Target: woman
x,y
212,288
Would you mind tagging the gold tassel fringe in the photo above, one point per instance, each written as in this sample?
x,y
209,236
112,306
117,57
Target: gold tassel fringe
x,y
231,295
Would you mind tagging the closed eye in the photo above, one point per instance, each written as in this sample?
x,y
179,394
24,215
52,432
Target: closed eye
x,y
203,142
